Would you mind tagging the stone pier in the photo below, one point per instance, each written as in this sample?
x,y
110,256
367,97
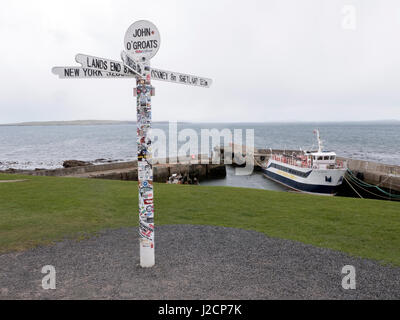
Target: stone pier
x,y
201,168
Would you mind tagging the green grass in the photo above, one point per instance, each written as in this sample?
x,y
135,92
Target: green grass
x,y
7,177
46,209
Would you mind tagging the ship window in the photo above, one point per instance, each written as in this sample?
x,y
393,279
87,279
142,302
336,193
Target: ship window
x,y
326,158
319,158
332,157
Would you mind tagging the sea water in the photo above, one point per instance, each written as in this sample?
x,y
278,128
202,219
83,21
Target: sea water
x,y
30,147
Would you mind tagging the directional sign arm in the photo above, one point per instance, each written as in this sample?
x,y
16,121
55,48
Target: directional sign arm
x,y
79,72
131,64
182,78
104,64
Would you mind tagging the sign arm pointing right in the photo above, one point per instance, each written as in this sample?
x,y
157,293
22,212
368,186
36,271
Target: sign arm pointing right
x,y
182,78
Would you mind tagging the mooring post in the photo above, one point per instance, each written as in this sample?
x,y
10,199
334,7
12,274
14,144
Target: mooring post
x,y
145,168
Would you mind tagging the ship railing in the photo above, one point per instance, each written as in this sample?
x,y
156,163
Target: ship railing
x,y
301,163
306,162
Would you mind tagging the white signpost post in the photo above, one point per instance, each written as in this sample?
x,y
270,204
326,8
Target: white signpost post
x,y
141,43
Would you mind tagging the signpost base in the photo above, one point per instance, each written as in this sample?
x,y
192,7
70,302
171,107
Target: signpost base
x,y
147,258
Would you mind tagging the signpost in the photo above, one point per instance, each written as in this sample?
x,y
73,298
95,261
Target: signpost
x,y
141,43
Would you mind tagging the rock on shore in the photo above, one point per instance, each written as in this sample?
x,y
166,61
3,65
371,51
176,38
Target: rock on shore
x,y
75,163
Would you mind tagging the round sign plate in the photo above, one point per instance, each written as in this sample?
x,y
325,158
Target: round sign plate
x,y
142,40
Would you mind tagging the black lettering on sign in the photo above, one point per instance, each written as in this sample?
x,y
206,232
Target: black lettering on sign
x,y
164,75
69,72
157,74
97,63
194,80
92,73
203,82
183,78
114,66
149,44
133,65
112,74
142,32
173,77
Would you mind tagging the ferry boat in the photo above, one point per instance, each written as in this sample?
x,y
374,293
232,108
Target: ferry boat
x,y
316,172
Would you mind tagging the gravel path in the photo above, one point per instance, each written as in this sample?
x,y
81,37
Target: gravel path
x,y
192,262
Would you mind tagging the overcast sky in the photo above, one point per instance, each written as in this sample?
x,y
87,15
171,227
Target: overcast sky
x,y
283,60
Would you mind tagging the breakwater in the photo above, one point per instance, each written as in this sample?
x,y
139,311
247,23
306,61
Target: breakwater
x,y
200,168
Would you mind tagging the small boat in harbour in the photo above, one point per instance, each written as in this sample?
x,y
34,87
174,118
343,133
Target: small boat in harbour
x,y
317,172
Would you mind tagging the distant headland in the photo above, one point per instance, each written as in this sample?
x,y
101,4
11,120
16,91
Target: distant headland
x,y
69,123
130,122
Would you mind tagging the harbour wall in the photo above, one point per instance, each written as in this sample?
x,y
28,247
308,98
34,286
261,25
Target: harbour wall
x,y
200,167
383,175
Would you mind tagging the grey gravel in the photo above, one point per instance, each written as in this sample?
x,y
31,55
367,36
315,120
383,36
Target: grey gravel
x,y
192,262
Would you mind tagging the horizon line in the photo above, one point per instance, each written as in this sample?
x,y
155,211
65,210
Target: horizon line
x,y
99,122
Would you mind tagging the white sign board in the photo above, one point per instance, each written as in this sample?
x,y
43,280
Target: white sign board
x,y
142,40
103,64
78,72
182,78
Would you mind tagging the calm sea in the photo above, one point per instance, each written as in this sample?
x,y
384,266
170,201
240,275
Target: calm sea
x,y
48,146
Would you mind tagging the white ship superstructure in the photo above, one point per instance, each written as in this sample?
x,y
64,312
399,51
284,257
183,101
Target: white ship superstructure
x,y
312,171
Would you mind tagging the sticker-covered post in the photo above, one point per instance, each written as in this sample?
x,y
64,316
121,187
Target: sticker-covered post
x,y
142,41
145,171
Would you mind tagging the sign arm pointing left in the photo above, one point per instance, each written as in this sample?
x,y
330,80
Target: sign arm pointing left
x,y
104,64
79,72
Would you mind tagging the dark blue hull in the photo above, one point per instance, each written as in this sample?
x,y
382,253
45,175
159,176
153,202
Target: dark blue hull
x,y
304,187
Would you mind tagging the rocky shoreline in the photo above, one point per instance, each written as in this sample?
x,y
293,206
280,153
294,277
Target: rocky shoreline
x,y
15,166
127,170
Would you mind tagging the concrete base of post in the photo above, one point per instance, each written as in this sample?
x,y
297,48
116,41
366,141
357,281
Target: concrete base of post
x,y
147,258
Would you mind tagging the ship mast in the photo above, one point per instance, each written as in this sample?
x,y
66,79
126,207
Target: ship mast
x,y
320,146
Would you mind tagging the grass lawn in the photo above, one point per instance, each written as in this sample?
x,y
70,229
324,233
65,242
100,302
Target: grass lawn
x,y
46,209
7,177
